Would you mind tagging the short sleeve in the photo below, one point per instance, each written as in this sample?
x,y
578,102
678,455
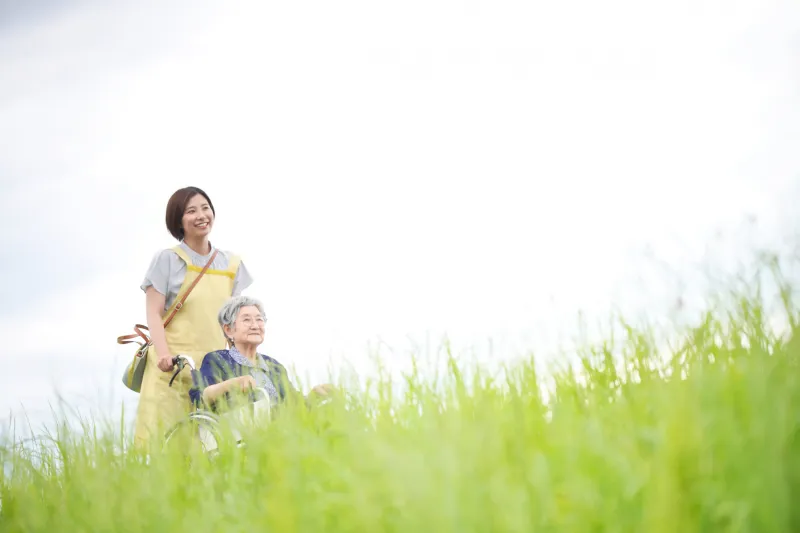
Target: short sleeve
x,y
157,275
242,280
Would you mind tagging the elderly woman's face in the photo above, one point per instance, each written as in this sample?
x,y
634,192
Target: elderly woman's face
x,y
248,327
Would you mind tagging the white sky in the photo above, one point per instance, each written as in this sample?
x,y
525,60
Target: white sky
x,y
388,171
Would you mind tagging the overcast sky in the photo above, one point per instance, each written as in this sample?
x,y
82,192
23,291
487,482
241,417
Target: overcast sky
x,y
389,172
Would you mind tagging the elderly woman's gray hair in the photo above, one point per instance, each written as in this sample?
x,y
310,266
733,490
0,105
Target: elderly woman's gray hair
x,y
229,312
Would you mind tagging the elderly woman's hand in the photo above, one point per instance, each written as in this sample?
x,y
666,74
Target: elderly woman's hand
x,y
235,385
244,383
325,389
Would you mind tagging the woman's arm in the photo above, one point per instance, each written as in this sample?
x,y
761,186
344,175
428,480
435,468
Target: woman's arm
x,y
155,323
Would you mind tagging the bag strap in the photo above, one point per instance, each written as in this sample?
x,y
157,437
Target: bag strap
x,y
128,339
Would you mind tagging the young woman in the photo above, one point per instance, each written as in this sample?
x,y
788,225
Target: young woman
x,y
193,330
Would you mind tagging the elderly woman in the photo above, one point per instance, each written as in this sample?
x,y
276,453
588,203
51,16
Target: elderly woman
x,y
241,368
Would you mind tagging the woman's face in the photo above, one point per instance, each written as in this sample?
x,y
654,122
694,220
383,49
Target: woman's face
x,y
249,327
197,218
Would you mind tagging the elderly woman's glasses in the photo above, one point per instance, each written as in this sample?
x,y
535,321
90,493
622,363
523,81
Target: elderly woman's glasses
x,y
249,321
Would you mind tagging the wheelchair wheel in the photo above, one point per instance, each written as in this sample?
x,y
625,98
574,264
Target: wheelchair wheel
x,y
200,430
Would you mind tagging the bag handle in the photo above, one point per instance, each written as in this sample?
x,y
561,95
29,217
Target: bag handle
x,y
128,339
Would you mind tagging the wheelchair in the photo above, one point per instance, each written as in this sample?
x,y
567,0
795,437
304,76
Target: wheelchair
x,y
215,431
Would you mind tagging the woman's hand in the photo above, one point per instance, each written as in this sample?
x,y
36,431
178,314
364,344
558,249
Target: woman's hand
x,y
165,363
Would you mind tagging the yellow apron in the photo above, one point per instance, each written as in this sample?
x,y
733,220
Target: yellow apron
x,y
194,331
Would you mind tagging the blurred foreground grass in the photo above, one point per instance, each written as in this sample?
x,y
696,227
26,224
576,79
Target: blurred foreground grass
x,y
629,440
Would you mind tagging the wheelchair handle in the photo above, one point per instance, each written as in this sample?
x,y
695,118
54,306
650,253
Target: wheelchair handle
x,y
180,361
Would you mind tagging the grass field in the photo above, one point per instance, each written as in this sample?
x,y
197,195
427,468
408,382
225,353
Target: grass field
x,y
704,438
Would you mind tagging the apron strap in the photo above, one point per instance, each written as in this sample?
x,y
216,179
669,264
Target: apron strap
x,y
233,264
182,254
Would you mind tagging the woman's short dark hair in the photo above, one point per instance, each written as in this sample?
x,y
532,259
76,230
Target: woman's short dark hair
x,y
176,207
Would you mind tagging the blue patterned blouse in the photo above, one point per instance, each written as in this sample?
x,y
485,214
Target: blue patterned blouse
x,y
222,365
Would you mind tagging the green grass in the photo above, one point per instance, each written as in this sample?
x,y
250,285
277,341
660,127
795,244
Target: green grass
x,y
703,438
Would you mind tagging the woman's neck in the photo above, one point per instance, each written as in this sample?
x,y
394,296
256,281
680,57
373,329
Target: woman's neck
x,y
248,350
199,245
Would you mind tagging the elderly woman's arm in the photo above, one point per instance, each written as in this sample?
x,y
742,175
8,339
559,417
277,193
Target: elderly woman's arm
x,y
215,380
294,395
238,384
